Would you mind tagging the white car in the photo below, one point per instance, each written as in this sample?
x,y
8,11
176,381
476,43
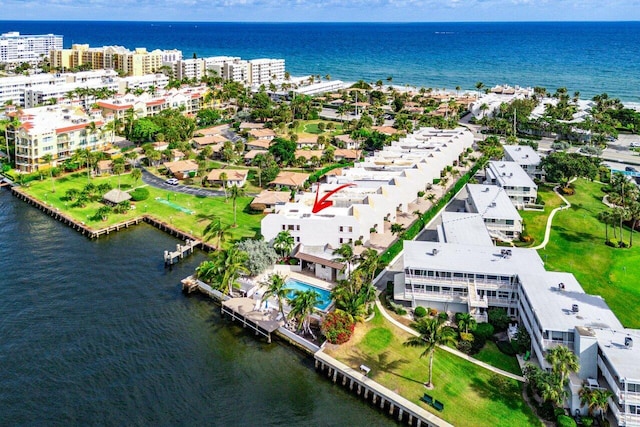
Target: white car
x,y
634,144
172,181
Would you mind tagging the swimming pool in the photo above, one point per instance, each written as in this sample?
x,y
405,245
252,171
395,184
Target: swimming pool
x,y
296,285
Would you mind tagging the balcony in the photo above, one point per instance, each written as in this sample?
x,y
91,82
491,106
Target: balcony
x,y
459,297
547,344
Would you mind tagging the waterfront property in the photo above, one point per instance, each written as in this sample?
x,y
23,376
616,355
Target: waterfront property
x,y
491,202
379,190
551,306
298,285
514,180
528,159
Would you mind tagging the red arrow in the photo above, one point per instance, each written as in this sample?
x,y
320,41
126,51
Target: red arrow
x,y
318,205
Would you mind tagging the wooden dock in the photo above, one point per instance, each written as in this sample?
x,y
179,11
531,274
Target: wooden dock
x,y
172,257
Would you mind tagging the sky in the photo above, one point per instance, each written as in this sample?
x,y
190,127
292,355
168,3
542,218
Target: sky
x,y
323,11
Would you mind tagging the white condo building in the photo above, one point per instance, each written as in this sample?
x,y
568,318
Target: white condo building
x,y
551,306
514,180
381,186
18,48
501,218
526,157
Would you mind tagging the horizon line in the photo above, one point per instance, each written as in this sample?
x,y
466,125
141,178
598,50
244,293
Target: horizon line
x,y
324,22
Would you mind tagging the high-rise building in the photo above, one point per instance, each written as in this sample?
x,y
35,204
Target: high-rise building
x,y
15,47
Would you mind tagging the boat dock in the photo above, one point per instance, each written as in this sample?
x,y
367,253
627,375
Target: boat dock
x,y
395,405
248,311
172,257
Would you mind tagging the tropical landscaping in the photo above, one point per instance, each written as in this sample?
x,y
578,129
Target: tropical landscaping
x,y
473,396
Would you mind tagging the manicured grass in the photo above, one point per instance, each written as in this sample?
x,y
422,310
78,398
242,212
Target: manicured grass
x,y
577,246
536,221
493,356
472,396
248,223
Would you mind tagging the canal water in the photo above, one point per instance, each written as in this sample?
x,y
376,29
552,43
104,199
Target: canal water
x,y
99,333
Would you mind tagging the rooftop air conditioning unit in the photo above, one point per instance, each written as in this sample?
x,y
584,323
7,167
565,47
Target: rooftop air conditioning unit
x,y
561,286
486,189
628,342
434,252
575,308
493,204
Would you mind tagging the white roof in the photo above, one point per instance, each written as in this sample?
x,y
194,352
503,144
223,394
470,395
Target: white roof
x,y
509,174
624,360
553,306
464,228
470,258
522,154
492,201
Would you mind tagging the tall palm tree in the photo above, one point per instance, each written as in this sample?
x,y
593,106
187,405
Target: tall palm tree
x,y
283,243
118,168
562,361
370,260
235,193
216,229
432,334
48,158
223,178
302,306
276,287
596,400
345,255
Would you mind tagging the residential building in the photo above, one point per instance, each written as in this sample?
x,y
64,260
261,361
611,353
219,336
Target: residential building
x,y
514,180
378,189
237,177
263,71
551,306
266,201
19,48
56,130
182,169
290,179
321,261
502,220
528,159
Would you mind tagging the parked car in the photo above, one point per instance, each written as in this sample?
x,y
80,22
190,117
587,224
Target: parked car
x,y
630,169
172,181
635,144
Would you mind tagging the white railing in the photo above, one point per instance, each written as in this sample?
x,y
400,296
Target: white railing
x,y
482,283
613,384
436,296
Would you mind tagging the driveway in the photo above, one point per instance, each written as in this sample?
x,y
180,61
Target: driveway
x,y
154,181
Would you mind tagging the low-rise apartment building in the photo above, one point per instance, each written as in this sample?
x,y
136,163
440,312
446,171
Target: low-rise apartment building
x,y
528,159
514,180
501,218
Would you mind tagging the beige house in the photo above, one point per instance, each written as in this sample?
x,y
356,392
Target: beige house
x,y
258,144
267,134
104,167
346,154
236,177
182,169
267,200
200,142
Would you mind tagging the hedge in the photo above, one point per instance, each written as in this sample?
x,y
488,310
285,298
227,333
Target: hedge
x,y
317,174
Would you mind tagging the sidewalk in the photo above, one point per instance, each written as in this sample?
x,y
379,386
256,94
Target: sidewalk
x,y
449,349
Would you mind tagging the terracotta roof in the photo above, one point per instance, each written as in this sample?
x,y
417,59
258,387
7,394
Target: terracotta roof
x,y
291,179
104,164
308,154
262,133
250,125
346,153
251,154
210,139
260,143
267,197
387,130
181,166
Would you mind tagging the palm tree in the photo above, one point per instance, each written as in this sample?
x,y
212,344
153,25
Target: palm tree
x,y
396,228
302,306
207,271
217,229
562,361
231,263
595,400
136,174
346,255
223,178
118,169
607,218
370,260
276,287
432,334
48,158
235,193
466,320
283,243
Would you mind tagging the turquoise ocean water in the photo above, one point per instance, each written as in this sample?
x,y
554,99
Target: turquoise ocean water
x,y
589,57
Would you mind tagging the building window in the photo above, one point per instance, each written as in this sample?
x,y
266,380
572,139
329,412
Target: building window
x,y
634,409
509,222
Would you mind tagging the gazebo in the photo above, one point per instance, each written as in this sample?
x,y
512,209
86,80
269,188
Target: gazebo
x,y
115,197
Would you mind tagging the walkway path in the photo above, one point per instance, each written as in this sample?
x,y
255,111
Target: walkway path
x,y
449,349
547,231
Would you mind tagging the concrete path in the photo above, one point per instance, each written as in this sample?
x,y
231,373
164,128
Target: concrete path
x,y
547,231
449,349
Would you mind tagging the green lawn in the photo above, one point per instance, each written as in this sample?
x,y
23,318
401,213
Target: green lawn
x,y
472,396
493,356
577,245
536,221
248,223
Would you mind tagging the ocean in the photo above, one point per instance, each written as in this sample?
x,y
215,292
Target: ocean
x,y
99,333
588,57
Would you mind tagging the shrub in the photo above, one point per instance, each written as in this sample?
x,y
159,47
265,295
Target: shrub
x,y
567,191
465,346
586,421
139,194
421,193
498,318
506,348
466,336
566,421
484,331
337,328
443,316
420,312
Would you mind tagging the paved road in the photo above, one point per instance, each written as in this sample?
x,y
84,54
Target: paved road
x,y
154,181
